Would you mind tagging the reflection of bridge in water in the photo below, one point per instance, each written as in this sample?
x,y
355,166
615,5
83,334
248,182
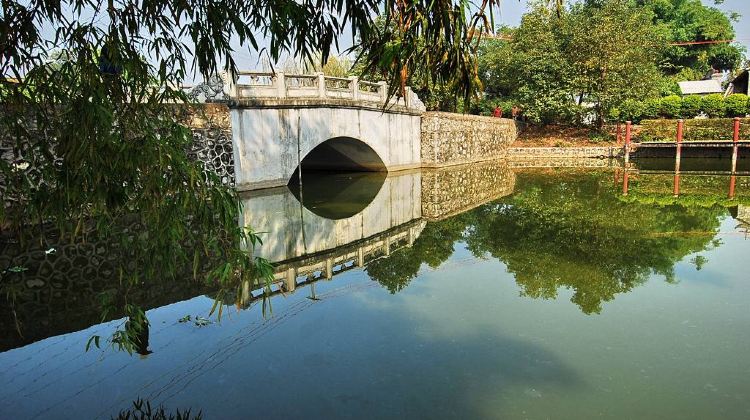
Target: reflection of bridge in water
x,y
308,244
309,269
368,219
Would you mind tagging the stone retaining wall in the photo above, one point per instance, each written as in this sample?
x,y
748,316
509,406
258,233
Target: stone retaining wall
x,y
456,189
564,162
564,152
451,139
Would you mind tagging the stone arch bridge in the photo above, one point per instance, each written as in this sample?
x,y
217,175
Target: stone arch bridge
x,y
283,122
279,123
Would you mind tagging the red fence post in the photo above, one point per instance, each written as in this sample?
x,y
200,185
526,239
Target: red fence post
x,y
735,141
628,128
680,126
736,136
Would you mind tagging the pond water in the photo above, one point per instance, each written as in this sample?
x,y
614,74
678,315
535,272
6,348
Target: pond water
x,y
483,292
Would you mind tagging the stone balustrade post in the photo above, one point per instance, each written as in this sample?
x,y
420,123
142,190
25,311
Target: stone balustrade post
x,y
329,268
280,82
354,85
290,283
360,257
383,90
321,84
407,97
230,85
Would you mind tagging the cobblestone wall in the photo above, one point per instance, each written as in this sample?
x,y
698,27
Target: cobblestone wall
x,y
455,189
562,162
450,139
212,145
212,139
743,213
564,152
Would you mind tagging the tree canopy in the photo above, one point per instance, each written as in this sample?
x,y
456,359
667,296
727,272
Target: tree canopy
x,y
553,64
602,53
691,21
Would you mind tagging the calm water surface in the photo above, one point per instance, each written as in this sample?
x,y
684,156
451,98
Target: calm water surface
x,y
543,293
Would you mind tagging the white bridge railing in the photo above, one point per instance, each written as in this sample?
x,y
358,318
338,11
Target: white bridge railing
x,y
251,85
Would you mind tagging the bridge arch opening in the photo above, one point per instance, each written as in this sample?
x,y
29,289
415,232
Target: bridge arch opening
x,y
343,154
340,178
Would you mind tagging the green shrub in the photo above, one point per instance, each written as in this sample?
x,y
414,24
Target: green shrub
x,y
736,105
630,110
614,114
695,129
651,108
691,106
486,106
596,136
507,107
713,105
671,106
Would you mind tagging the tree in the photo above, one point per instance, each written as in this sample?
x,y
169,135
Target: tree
x,y
554,64
432,43
334,66
532,67
611,65
434,95
690,20
90,143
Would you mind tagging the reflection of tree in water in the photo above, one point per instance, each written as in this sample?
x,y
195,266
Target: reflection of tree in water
x,y
433,247
53,286
569,230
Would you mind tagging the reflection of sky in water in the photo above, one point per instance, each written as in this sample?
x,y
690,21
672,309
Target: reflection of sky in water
x,y
458,341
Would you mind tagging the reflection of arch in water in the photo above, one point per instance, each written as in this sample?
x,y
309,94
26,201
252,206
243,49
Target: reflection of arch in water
x,y
337,195
291,230
359,175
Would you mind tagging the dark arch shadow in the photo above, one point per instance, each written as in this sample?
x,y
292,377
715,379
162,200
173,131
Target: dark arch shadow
x,y
340,178
336,195
343,154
